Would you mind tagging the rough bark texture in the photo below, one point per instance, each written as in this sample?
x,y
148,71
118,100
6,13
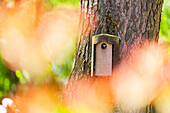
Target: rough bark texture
x,y
132,20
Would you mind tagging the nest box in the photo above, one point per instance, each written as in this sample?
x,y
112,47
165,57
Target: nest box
x,y
105,54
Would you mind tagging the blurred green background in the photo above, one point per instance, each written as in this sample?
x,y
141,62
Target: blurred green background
x,y
8,80
165,20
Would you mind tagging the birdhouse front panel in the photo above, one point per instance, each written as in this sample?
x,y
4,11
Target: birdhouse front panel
x,y
105,54
103,59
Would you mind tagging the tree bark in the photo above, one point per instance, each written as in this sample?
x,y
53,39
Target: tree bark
x,y
134,21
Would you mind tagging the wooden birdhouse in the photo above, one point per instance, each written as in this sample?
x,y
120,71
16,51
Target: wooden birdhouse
x,y
105,54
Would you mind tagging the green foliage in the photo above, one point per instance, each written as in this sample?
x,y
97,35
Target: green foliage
x,y
68,2
23,77
18,74
7,80
165,20
62,109
53,2
63,70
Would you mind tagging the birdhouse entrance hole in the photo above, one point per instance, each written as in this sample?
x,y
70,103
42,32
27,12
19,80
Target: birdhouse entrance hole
x,y
105,54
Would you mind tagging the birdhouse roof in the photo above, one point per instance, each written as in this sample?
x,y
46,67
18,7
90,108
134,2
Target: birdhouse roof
x,y
106,38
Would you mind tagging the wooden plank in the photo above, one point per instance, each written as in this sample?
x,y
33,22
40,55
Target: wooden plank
x,y
103,59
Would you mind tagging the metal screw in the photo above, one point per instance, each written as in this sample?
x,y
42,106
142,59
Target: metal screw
x,y
104,46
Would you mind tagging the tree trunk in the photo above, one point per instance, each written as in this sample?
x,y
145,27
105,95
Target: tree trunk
x,y
134,21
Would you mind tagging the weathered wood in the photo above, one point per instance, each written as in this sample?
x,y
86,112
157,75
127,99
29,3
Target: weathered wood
x,y
104,59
